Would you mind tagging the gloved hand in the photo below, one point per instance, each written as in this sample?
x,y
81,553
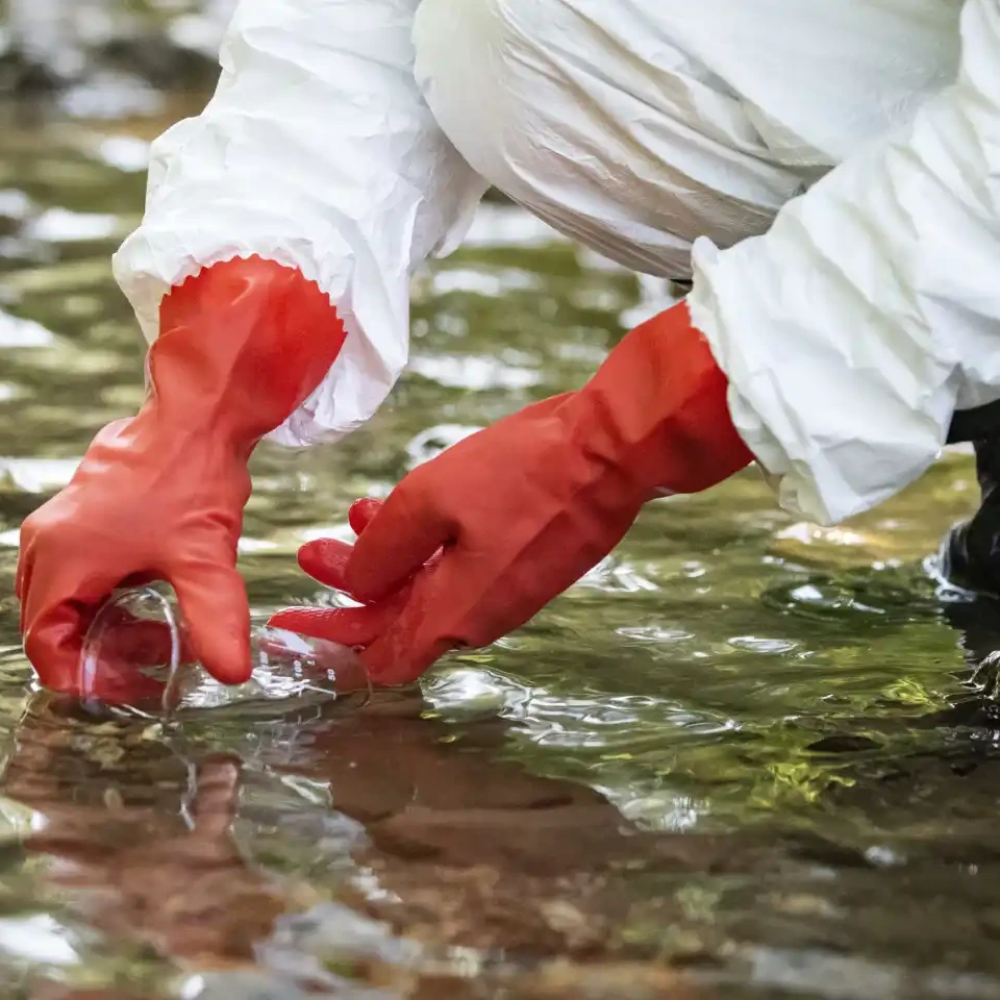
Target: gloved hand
x,y
161,496
473,543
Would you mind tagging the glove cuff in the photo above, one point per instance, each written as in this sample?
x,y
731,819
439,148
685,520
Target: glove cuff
x,y
665,420
242,344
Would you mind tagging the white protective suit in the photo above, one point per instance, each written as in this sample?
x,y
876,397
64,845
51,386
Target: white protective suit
x,y
828,170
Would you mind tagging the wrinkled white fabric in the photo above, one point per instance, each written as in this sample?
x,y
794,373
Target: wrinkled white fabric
x,y
637,126
317,152
871,309
849,332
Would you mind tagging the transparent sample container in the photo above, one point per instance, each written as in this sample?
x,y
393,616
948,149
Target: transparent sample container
x,y
136,654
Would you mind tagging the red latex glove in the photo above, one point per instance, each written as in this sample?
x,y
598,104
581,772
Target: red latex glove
x,y
473,543
161,496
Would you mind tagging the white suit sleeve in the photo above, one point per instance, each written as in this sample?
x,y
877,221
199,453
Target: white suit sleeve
x,y
870,311
317,152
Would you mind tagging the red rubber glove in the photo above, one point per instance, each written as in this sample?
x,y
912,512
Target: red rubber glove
x,y
473,543
161,496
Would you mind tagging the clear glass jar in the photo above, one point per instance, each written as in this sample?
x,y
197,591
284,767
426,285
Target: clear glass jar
x,y
135,654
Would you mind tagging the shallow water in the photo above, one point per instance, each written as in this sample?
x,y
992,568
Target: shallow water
x,y
743,758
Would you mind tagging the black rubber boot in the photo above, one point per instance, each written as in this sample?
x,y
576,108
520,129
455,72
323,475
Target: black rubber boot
x,y
970,555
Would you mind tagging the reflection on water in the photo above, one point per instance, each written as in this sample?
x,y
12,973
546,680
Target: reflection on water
x,y
744,757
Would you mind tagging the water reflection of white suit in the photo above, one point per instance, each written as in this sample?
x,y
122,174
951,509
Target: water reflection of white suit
x,y
354,138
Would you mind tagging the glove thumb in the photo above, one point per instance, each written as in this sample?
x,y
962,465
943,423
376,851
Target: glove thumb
x,y
213,603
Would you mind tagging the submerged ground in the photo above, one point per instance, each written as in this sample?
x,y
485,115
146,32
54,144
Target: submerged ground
x,y
743,758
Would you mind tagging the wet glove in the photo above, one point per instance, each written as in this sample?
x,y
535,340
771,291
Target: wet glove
x,y
161,496
473,543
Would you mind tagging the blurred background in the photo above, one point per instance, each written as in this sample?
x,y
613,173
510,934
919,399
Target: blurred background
x,y
106,55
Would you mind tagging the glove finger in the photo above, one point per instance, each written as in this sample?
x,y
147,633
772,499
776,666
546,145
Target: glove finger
x,y
52,643
348,626
362,513
213,602
326,560
54,629
54,647
404,534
